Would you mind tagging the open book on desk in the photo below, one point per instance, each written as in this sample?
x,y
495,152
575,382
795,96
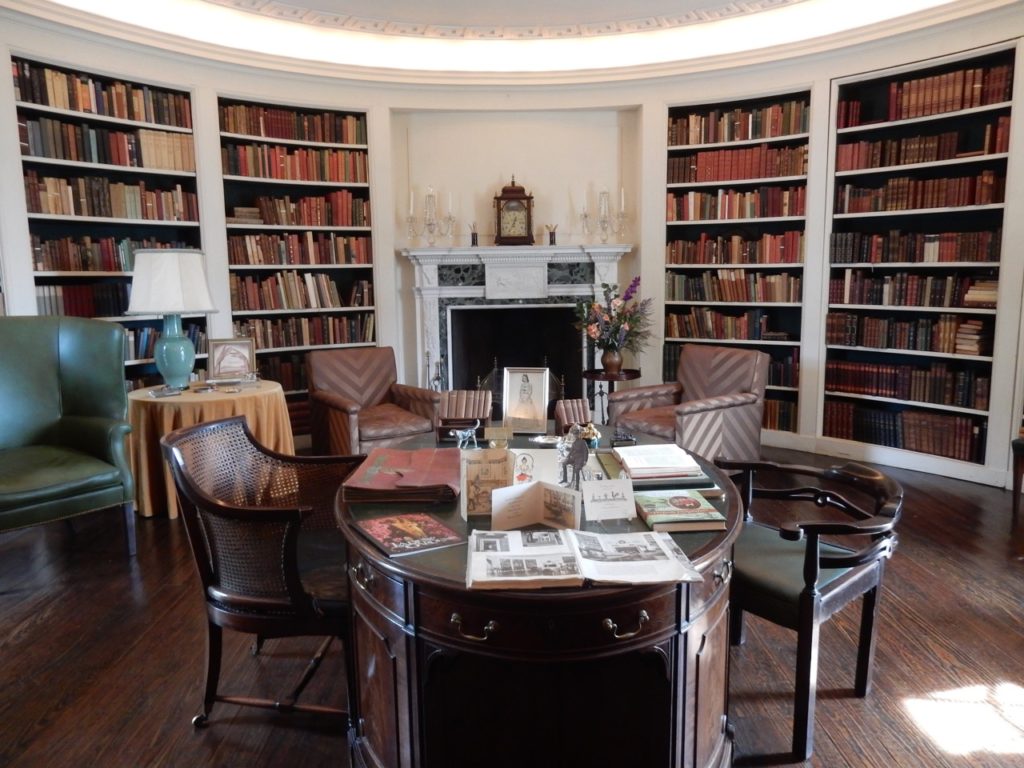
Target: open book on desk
x,y
614,467
567,558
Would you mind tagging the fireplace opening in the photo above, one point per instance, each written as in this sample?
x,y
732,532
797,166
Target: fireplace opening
x,y
490,339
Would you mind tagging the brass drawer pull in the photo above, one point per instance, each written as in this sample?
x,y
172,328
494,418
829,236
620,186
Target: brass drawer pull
x,y
490,628
364,576
612,627
723,574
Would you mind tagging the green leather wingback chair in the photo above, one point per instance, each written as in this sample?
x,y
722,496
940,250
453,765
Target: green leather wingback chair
x,y
63,421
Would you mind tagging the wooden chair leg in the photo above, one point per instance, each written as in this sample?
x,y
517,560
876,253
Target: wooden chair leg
x,y
806,689
866,645
735,625
128,514
214,643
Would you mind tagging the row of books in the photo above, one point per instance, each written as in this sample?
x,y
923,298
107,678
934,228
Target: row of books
x,y
278,123
948,334
759,203
733,285
758,162
904,193
99,196
914,247
963,88
288,369
939,434
857,155
143,148
704,323
140,342
910,289
315,330
936,383
780,415
292,290
740,124
339,208
301,164
783,248
88,254
295,248
44,85
97,300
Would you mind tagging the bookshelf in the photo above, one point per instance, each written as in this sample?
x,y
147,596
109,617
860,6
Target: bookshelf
x,y
108,167
734,254
914,256
300,257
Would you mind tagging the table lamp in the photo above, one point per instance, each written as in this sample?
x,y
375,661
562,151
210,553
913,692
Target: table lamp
x,y
169,282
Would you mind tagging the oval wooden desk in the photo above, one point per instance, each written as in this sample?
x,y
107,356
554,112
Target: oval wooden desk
x,y
452,678
265,411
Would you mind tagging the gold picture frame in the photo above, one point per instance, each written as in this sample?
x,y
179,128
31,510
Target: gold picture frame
x,y
230,359
524,400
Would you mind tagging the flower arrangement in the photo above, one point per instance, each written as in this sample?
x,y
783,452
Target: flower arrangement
x,y
619,322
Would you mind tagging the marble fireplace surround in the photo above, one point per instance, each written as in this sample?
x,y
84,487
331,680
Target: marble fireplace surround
x,y
447,279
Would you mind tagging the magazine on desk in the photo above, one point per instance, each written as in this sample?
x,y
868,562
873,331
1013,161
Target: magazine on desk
x,y
566,558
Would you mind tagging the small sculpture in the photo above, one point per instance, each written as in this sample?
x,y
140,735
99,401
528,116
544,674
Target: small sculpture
x,y
572,452
465,438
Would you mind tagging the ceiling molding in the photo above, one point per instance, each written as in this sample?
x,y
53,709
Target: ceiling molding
x,y
406,27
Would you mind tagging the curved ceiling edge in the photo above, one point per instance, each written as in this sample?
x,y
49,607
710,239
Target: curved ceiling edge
x,y
63,19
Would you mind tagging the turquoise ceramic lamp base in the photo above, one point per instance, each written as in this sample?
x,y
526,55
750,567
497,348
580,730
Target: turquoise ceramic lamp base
x,y
175,354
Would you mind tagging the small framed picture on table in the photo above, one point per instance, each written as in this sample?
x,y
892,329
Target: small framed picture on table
x,y
525,400
231,359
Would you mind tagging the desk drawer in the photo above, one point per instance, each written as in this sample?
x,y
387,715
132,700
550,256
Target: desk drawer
x,y
548,628
703,593
386,591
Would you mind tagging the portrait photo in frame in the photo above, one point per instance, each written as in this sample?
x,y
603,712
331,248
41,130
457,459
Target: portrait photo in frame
x,y
230,359
525,400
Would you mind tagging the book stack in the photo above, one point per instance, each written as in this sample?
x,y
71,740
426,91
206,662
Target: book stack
x,y
972,338
666,460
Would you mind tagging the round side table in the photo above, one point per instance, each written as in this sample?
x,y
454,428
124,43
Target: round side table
x,y
599,374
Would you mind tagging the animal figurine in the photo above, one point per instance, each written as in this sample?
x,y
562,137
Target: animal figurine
x,y
465,438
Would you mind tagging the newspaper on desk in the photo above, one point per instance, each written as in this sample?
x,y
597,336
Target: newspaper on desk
x,y
563,558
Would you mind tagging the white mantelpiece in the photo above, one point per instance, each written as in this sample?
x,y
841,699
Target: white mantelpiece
x,y
512,276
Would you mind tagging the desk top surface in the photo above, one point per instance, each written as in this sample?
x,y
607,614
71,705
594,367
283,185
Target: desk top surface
x,y
446,567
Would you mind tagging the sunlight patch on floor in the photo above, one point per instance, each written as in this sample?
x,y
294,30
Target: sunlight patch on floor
x,y
976,719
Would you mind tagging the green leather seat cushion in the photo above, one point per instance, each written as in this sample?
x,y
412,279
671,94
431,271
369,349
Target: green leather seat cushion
x,y
36,474
769,573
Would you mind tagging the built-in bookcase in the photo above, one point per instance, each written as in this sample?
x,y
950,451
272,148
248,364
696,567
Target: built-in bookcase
x,y
296,187
108,167
915,249
734,254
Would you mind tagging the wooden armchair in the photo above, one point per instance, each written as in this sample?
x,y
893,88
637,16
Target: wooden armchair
x,y
790,575
714,407
270,558
356,402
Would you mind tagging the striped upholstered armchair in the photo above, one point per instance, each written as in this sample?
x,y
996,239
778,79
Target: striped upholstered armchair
x,y
713,409
356,402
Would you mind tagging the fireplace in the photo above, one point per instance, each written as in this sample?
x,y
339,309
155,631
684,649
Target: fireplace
x,y
510,304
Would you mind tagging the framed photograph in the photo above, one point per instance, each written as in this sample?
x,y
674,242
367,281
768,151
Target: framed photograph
x,y
524,400
230,359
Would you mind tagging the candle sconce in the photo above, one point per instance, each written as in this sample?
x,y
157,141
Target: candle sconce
x,y
607,223
434,224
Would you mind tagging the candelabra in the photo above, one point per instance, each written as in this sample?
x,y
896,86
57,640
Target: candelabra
x,y
607,223
433,223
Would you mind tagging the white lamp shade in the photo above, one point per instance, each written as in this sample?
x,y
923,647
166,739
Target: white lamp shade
x,y
169,281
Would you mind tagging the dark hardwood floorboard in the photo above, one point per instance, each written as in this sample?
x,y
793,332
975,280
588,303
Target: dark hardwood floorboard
x,y
103,657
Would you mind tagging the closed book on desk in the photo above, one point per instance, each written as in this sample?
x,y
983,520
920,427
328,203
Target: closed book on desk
x,y
393,474
405,534
677,509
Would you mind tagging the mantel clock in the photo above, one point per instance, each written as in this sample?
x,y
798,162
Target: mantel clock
x,y
513,216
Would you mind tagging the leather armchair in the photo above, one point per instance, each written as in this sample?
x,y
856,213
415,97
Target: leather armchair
x,y
63,421
713,409
357,404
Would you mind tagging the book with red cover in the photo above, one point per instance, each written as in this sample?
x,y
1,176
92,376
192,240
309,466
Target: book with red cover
x,y
407,533
394,474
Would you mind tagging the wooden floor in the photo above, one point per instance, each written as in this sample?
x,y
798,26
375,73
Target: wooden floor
x,y
101,657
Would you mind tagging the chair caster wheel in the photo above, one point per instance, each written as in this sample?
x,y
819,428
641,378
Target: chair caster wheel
x,y
200,721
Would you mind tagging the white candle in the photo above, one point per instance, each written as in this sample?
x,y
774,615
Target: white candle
x,y
412,204
622,199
